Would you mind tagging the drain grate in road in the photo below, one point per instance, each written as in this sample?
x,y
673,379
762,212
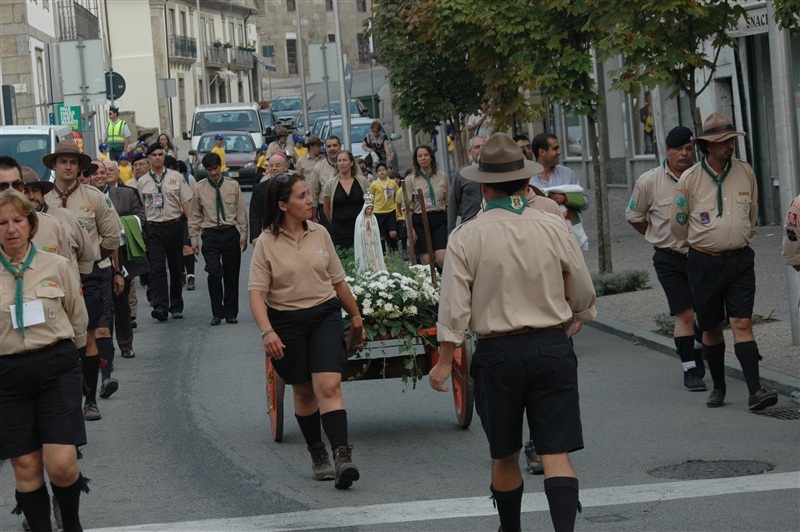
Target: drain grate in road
x,y
707,469
781,413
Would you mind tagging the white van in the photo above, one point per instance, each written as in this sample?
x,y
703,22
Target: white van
x,y
227,117
28,144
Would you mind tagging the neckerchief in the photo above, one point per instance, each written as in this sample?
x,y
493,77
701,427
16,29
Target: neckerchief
x,y
718,182
427,178
18,299
515,204
220,204
64,195
106,189
158,181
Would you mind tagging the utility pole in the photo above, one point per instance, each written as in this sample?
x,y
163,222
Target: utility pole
x,y
201,39
345,98
301,65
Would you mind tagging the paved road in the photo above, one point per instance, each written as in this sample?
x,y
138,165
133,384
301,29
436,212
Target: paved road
x,y
185,445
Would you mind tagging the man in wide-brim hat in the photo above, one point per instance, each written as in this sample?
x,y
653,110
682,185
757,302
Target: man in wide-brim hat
x,y
715,209
67,147
515,276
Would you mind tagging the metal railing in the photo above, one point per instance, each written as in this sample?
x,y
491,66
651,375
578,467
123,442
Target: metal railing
x,y
76,21
242,58
216,54
182,47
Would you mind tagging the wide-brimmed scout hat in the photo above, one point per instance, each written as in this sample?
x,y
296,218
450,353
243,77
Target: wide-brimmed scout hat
x,y
501,160
67,147
717,127
29,177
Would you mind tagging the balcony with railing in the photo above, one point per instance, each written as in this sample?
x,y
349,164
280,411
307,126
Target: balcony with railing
x,y
182,49
216,56
241,59
76,21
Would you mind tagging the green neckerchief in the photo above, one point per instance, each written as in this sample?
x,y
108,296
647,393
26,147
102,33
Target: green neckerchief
x,y
515,204
158,181
427,178
18,299
220,204
718,182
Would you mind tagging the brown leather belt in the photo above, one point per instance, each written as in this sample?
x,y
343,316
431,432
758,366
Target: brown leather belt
x,y
670,251
524,330
161,224
726,253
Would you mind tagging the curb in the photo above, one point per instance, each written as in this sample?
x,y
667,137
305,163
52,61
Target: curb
x,y
781,383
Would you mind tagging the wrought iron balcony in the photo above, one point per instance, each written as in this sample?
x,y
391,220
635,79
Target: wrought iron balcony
x,y
182,48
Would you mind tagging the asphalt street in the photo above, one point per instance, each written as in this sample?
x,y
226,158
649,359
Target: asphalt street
x,y
185,444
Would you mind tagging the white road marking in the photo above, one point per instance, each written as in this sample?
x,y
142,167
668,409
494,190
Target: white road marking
x,y
406,512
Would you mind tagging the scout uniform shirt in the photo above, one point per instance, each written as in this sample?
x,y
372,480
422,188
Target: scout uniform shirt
x,y
696,215
52,238
653,196
295,275
95,213
791,246
163,197
82,252
322,173
305,166
385,192
204,208
496,260
49,280
436,192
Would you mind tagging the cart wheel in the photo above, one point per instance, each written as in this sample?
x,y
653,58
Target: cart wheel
x,y
275,391
462,384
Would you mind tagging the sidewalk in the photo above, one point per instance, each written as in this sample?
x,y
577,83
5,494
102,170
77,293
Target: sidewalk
x,y
632,315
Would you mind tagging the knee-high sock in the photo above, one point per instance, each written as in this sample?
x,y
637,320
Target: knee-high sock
x,y
69,501
509,504
35,505
310,427
334,423
106,348
562,497
91,367
747,353
715,356
684,345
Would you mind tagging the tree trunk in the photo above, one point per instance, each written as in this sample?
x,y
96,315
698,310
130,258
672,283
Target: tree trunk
x,y
600,193
697,123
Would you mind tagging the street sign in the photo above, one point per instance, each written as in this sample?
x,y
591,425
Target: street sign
x,y
92,79
117,83
348,77
271,68
322,60
69,116
166,88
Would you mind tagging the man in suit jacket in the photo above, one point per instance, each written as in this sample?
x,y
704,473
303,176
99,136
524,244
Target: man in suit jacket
x,y
127,202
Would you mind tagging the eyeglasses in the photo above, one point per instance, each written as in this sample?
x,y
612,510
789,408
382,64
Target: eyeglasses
x,y
16,185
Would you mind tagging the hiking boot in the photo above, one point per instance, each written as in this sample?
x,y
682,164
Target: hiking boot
x,y
346,470
717,398
692,380
762,399
108,388
321,462
534,463
190,284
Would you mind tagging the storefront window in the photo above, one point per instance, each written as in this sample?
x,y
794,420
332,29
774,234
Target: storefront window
x,y
574,137
643,127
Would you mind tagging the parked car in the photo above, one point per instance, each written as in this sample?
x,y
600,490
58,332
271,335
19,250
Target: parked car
x,y
271,125
356,107
28,144
359,127
286,109
321,121
301,127
240,156
219,117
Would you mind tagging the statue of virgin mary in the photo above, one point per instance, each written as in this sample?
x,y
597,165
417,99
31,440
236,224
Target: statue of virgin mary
x,y
367,247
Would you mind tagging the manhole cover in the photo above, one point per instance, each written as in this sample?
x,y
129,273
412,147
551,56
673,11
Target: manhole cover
x,y
705,469
781,413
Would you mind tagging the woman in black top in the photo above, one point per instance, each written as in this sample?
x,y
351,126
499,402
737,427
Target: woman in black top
x,y
343,197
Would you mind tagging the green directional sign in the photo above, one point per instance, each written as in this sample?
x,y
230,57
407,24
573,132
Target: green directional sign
x,y
69,116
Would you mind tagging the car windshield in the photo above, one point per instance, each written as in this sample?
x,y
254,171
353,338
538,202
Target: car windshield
x,y
28,150
293,104
337,107
244,120
357,132
266,118
231,143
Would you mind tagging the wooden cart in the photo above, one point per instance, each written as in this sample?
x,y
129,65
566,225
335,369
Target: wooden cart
x,y
395,367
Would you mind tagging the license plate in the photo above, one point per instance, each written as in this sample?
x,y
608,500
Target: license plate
x,y
233,174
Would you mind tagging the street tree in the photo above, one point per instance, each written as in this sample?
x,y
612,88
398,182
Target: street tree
x,y
430,84
546,45
787,13
670,42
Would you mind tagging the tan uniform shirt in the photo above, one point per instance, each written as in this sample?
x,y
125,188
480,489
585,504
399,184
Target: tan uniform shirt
x,y
505,271
275,147
95,213
441,190
694,211
305,166
791,246
49,279
322,173
82,252
296,276
204,208
651,201
174,192
542,203
52,238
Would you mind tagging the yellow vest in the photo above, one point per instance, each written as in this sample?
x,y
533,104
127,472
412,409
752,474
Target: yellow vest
x,y
115,133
